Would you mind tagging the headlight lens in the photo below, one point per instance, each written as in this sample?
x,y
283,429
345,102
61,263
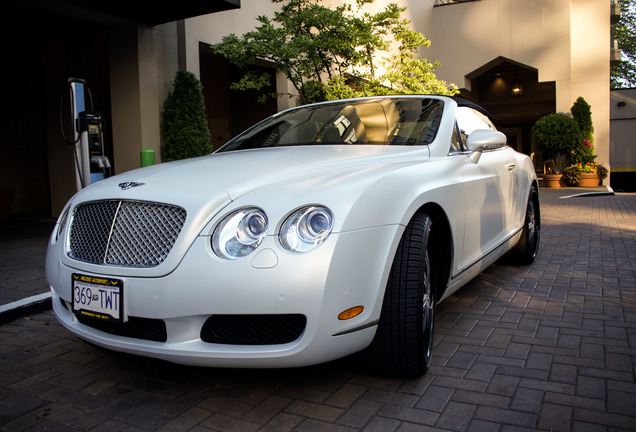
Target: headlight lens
x,y
306,229
61,223
240,233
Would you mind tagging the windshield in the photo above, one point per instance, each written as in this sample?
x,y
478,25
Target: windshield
x,y
399,121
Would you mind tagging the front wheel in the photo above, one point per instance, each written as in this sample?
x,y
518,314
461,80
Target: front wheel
x,y
403,343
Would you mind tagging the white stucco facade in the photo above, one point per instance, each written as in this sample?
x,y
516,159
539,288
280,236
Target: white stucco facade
x,y
566,41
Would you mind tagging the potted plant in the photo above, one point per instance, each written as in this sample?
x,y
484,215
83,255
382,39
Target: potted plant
x,y
583,155
582,175
571,175
557,136
589,178
184,123
601,173
582,114
589,174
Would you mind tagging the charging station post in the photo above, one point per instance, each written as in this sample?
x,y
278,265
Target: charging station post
x,y
82,164
88,144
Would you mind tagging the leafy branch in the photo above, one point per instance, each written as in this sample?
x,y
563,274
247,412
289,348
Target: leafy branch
x,y
332,53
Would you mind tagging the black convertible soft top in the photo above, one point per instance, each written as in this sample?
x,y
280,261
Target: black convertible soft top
x,y
468,103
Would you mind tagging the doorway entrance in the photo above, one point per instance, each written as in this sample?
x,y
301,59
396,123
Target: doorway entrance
x,y
513,95
230,112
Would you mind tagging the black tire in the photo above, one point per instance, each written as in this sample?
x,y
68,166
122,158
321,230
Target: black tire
x,y
527,248
403,343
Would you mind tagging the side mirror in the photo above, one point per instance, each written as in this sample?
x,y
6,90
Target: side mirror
x,y
482,140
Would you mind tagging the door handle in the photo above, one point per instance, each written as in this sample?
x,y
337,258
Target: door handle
x,y
511,167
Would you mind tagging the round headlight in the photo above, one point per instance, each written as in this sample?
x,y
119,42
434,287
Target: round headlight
x,y
306,229
239,233
61,223
252,227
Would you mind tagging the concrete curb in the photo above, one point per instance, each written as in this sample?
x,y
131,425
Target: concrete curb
x,y
28,306
609,191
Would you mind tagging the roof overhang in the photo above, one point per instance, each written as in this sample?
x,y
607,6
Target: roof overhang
x,y
116,12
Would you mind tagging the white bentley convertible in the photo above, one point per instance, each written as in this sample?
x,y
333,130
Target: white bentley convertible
x,y
323,231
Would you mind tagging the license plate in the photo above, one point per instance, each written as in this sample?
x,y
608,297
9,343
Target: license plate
x,y
98,297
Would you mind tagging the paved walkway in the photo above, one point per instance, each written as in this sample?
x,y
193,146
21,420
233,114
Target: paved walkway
x,y
547,347
22,252
23,286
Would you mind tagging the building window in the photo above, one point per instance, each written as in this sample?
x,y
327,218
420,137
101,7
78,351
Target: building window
x,y
447,2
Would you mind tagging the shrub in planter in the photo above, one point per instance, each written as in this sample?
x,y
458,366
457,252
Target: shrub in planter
x,y
582,114
572,175
557,135
601,172
584,153
184,123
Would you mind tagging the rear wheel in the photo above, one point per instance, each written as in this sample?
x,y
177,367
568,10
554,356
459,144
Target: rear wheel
x,y
525,251
403,343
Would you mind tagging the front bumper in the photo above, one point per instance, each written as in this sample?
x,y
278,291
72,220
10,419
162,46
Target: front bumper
x,y
349,269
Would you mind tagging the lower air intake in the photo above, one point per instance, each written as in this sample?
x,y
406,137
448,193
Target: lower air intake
x,y
136,328
253,329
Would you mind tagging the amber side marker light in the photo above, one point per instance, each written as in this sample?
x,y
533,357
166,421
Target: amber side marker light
x,y
350,313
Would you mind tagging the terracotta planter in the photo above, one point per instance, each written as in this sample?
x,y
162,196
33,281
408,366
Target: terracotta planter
x,y
588,180
553,181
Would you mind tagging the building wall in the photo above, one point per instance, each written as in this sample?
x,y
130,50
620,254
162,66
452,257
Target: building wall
x,y
468,35
623,143
143,63
590,57
567,41
36,164
623,125
130,68
210,29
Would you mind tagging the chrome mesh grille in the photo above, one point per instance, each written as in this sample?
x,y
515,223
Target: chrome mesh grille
x,y
124,233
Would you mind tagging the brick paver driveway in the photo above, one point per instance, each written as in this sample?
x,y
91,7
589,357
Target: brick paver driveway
x,y
546,347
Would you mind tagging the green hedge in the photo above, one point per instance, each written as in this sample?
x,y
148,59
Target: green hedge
x,y
184,123
557,135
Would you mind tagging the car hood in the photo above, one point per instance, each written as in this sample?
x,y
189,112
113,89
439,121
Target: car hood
x,y
227,176
205,186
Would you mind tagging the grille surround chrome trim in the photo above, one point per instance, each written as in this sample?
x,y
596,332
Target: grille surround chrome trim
x,y
124,233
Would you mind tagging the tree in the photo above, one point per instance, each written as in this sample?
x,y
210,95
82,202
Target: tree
x,y
184,123
332,53
624,74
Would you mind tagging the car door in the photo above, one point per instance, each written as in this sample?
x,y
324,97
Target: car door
x,y
490,188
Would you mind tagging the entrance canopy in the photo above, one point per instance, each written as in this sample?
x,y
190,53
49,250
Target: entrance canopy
x,y
116,12
511,92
